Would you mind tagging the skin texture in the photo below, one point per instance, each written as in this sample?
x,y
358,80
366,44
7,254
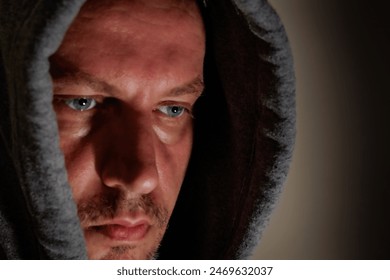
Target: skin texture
x,y
125,80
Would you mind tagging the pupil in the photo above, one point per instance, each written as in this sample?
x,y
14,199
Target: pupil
x,y
83,101
175,110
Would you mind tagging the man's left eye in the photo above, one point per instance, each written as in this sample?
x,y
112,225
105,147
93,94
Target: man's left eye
x,y
172,111
81,104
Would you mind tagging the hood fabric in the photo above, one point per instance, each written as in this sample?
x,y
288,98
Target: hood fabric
x,y
243,136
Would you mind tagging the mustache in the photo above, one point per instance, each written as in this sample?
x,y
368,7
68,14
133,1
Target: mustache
x,y
106,206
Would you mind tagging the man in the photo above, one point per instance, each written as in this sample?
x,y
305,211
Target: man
x,y
117,110
125,117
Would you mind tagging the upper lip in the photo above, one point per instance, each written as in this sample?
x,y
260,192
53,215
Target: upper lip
x,y
127,222
124,220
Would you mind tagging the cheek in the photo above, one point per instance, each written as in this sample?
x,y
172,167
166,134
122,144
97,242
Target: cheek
x,y
81,173
173,132
72,124
175,144
172,165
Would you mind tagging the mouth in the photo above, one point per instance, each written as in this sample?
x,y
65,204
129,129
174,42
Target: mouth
x,y
123,230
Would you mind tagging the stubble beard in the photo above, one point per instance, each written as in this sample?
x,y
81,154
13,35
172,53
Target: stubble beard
x,y
106,206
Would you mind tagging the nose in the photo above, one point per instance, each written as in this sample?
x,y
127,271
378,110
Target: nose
x,y
130,156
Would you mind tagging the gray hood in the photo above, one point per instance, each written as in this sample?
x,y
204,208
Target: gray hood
x,y
244,135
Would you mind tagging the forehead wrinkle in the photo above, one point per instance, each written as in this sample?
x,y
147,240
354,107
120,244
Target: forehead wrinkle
x,y
64,72
70,74
110,15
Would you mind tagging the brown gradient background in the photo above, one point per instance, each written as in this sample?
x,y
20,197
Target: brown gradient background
x,y
335,204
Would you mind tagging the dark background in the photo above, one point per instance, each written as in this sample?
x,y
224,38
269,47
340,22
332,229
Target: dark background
x,y
336,203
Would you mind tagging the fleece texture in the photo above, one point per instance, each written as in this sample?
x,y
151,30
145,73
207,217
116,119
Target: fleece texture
x,y
244,135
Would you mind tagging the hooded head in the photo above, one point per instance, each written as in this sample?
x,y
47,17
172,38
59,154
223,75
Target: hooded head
x,y
121,117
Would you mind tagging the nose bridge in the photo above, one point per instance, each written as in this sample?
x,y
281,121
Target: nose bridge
x,y
138,134
130,161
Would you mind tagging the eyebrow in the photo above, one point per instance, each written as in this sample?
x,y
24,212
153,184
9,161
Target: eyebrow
x,y
195,87
63,70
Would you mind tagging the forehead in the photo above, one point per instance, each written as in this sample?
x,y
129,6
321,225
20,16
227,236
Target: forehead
x,y
159,41
126,17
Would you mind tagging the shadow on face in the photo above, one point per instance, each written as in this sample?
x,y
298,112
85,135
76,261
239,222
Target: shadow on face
x,y
126,78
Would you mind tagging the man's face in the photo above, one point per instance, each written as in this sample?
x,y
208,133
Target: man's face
x,y
125,80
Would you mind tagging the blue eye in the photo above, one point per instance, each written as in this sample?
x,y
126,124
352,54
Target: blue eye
x,y
172,111
81,104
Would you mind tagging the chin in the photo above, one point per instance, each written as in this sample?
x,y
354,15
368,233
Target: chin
x,y
123,252
128,253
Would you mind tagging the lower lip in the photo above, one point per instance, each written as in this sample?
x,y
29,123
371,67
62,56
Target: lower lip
x,y
123,233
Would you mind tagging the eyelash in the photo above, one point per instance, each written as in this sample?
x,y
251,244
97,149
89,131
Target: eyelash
x,y
91,102
185,109
67,99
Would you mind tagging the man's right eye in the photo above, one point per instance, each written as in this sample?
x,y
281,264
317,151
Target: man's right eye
x,y
81,104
